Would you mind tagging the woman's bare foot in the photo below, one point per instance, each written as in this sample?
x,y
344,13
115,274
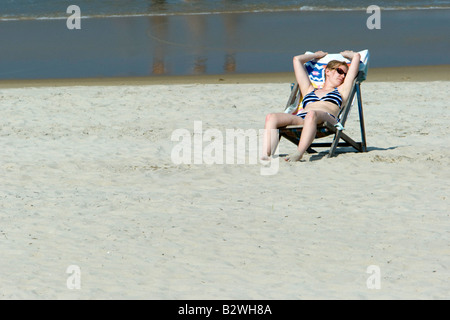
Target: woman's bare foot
x,y
296,156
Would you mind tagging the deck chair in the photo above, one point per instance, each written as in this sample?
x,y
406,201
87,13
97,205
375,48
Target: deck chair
x,y
316,72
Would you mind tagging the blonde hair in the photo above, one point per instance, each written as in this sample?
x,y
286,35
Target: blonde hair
x,y
334,64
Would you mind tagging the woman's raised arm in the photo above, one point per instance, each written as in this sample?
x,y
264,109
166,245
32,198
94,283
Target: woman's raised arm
x,y
300,72
355,58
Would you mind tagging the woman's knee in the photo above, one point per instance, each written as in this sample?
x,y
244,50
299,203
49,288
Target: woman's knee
x,y
271,117
311,116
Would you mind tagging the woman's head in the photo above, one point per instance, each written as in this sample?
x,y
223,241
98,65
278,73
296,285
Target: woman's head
x,y
333,64
336,71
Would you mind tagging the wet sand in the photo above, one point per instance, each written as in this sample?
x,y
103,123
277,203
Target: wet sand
x,y
398,74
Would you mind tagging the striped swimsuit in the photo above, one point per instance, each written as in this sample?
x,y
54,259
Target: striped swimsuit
x,y
333,96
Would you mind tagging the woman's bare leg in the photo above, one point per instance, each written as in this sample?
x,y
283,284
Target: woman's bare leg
x,y
275,121
312,119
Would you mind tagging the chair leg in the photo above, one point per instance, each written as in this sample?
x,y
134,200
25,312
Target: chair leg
x,y
334,144
361,119
345,112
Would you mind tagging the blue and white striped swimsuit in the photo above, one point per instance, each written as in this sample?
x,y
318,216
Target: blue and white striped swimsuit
x,y
333,96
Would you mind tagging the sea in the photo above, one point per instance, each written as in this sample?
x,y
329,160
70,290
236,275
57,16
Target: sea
x,y
141,38
54,9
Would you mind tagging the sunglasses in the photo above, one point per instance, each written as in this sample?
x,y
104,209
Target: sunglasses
x,y
340,71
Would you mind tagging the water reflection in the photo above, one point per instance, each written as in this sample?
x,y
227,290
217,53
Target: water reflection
x,y
197,29
159,27
230,22
194,39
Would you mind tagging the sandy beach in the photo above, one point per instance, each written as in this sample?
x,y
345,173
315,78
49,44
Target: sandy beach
x,y
89,183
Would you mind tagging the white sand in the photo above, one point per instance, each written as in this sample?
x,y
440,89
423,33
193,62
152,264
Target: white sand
x,y
87,179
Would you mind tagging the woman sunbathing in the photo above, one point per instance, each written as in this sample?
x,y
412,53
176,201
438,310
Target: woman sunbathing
x,y
318,105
